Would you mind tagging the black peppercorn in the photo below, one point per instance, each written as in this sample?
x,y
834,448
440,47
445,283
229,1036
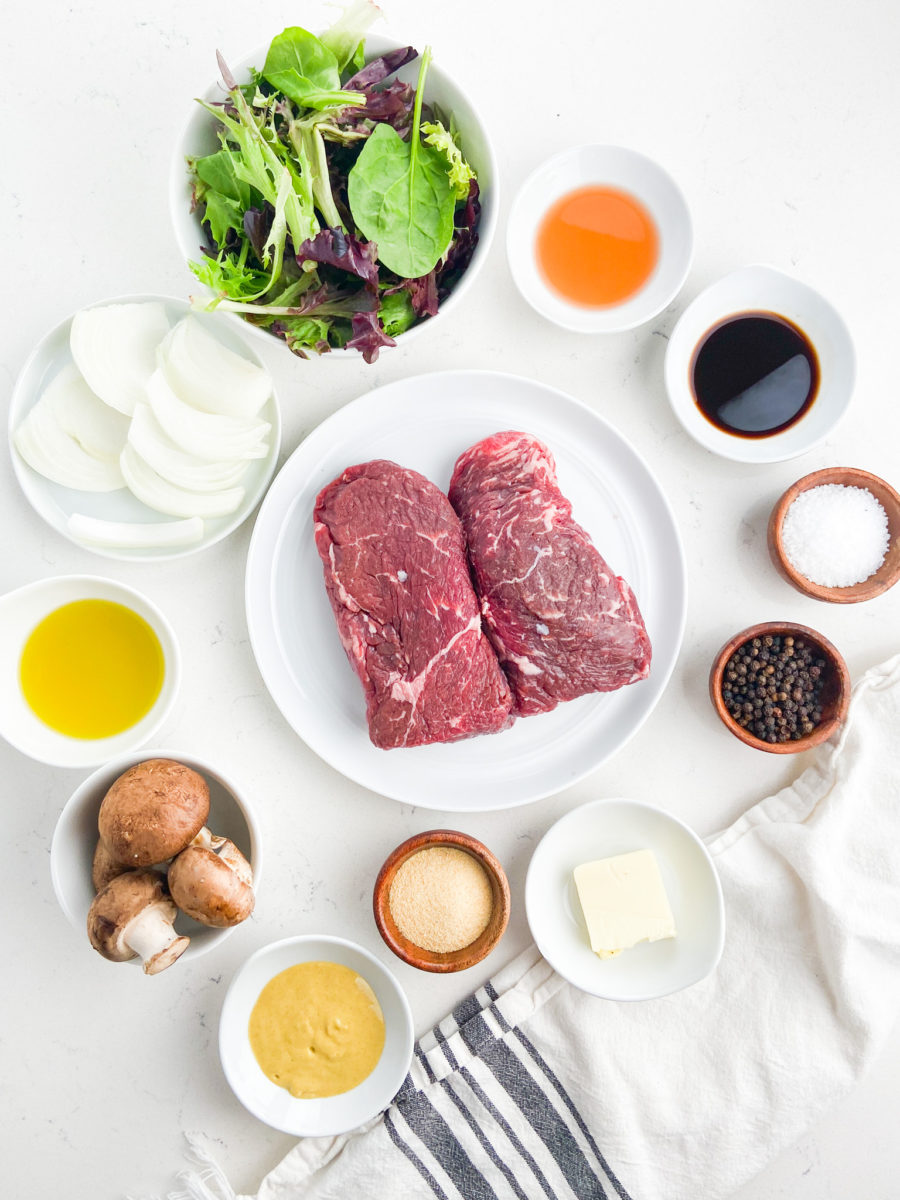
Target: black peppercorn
x,y
772,687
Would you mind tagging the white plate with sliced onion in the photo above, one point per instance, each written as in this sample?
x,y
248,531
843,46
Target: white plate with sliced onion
x,y
142,431
424,423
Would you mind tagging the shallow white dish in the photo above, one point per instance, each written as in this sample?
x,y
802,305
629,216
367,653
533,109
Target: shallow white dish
x,y
275,1105
761,288
75,838
56,504
617,167
600,829
20,612
424,423
198,137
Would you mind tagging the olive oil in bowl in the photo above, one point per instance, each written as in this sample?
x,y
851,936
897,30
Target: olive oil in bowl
x,y
91,669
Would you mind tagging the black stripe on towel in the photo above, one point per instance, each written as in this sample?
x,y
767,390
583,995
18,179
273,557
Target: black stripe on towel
x,y
551,1075
412,1156
482,1096
540,1113
485,1144
433,1131
468,1008
423,1059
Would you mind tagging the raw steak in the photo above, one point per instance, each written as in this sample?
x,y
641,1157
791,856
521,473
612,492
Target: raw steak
x,y
398,580
561,622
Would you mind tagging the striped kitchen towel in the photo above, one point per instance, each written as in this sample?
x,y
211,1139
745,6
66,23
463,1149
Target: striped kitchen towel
x,y
532,1089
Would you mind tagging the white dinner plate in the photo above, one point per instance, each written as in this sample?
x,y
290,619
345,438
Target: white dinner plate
x,y
56,503
425,423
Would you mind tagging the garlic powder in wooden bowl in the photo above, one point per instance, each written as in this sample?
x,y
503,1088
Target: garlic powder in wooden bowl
x,y
441,899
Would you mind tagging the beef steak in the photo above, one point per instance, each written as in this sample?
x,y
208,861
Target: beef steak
x,y
561,622
398,580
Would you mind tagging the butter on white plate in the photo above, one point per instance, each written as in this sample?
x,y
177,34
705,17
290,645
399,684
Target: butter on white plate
x,y
624,902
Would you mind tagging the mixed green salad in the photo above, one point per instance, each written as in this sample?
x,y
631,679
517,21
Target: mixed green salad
x,y
339,209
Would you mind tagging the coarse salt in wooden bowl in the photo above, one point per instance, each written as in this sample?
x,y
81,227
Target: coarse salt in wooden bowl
x,y
453,960
835,692
878,582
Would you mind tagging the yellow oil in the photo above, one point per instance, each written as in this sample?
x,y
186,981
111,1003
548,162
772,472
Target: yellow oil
x,y
91,669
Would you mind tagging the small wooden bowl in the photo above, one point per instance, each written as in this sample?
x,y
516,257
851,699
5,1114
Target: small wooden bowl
x,y
882,579
835,692
427,960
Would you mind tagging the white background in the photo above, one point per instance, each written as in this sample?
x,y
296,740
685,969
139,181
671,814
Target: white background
x,y
779,118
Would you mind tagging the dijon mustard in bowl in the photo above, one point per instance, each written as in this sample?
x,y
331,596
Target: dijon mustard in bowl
x,y
305,1003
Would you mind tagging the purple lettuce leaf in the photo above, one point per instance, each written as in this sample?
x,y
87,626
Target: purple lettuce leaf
x,y
462,246
335,248
257,226
390,103
423,294
368,336
379,68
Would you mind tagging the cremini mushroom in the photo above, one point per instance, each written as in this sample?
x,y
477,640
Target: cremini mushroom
x,y
133,915
104,867
153,811
213,888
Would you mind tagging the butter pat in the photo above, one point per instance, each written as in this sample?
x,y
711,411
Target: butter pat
x,y
624,902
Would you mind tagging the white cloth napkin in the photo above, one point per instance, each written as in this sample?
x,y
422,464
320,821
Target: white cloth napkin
x,y
533,1089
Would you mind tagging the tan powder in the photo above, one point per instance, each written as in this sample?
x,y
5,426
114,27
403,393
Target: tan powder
x,y
441,899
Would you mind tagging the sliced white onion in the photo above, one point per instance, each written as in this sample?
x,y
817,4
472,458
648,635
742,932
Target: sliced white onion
x,y
115,346
97,428
185,470
209,436
206,374
157,493
130,535
53,453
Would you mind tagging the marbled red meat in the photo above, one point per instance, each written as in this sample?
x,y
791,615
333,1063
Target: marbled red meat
x,y
398,580
561,622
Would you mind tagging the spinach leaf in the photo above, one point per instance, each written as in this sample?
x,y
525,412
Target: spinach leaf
x,y
400,195
305,70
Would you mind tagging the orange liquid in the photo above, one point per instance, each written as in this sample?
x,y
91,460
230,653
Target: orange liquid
x,y
597,246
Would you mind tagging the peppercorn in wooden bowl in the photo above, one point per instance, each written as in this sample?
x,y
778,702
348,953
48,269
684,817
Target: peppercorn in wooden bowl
x,y
884,577
447,890
795,705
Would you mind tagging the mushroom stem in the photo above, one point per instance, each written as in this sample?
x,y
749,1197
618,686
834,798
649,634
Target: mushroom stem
x,y
152,937
208,840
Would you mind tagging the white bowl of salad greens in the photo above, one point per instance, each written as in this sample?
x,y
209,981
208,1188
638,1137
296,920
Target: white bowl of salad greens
x,y
337,192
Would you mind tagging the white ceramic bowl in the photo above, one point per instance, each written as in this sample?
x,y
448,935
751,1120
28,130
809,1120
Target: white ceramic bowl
x,y
56,504
651,969
75,838
20,612
617,167
761,288
198,137
275,1105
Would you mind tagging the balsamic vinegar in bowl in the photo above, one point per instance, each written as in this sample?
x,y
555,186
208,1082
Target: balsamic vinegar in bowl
x,y
754,374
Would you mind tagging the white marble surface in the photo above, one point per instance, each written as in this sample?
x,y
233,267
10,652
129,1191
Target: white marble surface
x,y
780,121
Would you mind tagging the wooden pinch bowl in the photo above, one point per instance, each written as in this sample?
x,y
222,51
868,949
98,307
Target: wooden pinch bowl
x,y
835,692
428,960
882,579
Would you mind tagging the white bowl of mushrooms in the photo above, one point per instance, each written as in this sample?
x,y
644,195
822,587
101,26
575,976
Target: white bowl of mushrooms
x,y
156,856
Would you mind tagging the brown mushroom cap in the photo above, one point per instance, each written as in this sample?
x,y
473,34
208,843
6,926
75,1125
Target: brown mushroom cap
x,y
134,915
153,811
104,867
214,889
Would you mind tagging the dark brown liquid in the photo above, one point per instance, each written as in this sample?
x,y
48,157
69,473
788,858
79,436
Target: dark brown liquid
x,y
754,374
